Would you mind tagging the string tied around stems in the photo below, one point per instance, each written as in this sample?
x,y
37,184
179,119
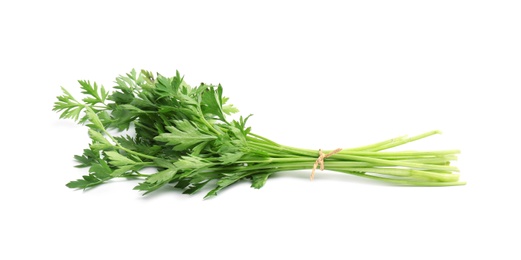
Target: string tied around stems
x,y
320,161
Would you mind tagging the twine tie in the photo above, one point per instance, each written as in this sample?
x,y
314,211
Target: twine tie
x,y
320,161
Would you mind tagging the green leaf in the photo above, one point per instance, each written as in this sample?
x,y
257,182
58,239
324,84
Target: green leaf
x,y
259,179
89,181
68,106
212,102
156,180
101,170
147,187
191,163
229,158
194,188
121,97
122,118
130,108
97,95
184,137
225,181
118,159
98,137
212,193
121,170
165,87
87,158
228,108
101,147
164,163
162,176
93,118
183,183
80,184
196,150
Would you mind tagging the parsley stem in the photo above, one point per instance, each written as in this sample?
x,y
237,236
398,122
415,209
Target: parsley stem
x,y
262,138
136,153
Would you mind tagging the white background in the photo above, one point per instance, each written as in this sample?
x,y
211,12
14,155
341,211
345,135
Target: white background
x,y
315,74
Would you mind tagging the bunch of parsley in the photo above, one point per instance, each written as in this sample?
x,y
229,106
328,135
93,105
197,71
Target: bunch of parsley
x,y
183,132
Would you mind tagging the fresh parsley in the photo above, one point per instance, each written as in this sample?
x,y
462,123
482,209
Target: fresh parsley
x,y
183,132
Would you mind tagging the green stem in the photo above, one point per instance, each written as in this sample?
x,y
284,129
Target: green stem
x,y
412,182
375,145
406,140
261,138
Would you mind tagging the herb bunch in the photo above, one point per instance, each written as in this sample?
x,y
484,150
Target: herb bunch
x,y
183,132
